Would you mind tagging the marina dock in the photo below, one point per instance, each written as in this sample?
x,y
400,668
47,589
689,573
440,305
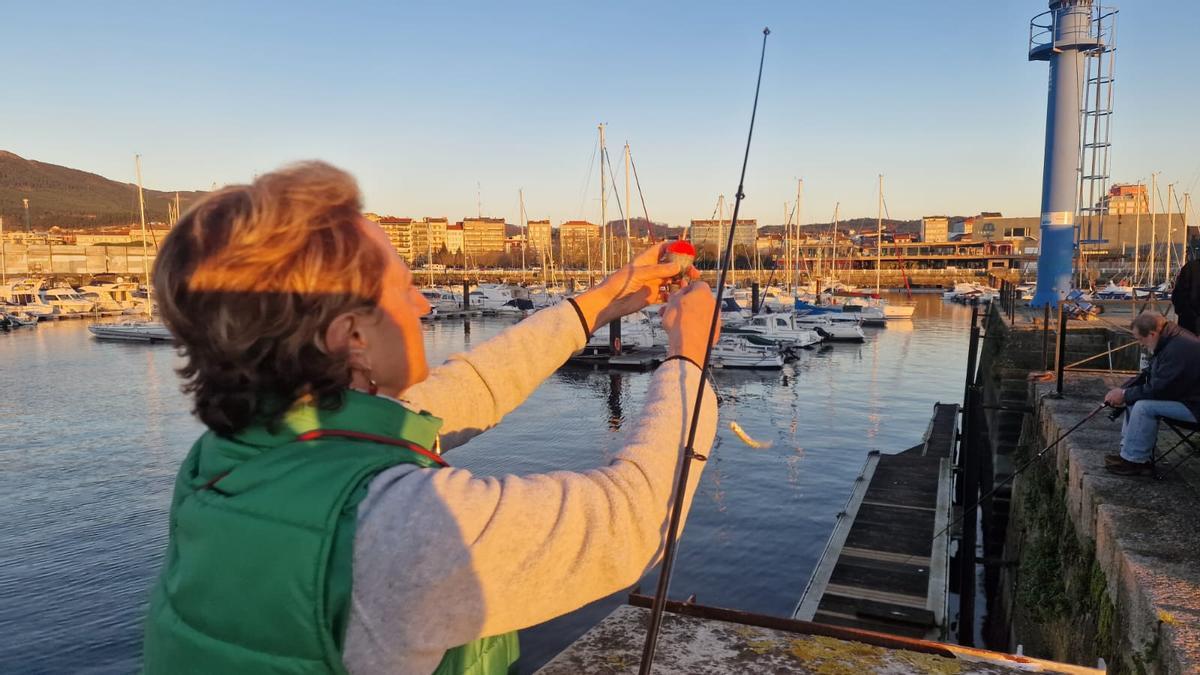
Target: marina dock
x,y
883,568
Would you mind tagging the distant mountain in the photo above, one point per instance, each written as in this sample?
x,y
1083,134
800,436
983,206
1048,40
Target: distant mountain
x,y
71,198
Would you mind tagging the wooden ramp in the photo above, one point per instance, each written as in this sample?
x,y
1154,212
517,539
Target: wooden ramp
x,y
882,568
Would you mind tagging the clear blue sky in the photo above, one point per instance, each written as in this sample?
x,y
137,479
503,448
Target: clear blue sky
x,y
422,102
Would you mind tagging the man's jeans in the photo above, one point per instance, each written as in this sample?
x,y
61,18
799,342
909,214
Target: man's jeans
x,y
1139,432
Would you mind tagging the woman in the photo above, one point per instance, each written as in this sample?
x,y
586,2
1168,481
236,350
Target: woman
x,y
312,527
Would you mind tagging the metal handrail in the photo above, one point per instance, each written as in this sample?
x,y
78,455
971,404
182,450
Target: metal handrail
x,y
1043,30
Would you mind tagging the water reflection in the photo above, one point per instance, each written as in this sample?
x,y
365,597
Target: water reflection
x,y
91,435
615,415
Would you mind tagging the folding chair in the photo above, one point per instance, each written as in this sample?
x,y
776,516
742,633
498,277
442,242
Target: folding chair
x,y
1184,431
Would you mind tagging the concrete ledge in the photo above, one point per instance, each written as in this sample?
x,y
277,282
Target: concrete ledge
x,y
1145,533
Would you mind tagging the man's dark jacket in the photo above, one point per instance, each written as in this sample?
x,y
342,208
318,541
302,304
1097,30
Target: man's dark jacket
x,y
1173,373
1185,296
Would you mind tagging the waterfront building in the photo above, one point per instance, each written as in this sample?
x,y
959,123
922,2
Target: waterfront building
x,y
935,229
1125,199
153,234
99,237
710,232
428,237
514,245
538,232
579,238
454,238
399,233
483,235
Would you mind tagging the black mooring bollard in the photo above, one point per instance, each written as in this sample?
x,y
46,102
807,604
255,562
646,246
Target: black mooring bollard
x,y
466,304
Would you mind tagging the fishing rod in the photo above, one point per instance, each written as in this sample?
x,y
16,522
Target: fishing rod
x,y
664,576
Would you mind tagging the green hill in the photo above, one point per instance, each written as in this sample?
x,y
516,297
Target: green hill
x,y
71,198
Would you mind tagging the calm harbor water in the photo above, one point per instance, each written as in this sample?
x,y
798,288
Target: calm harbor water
x,y
92,433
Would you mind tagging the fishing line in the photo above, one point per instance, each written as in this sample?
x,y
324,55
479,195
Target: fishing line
x,y
1008,479
664,576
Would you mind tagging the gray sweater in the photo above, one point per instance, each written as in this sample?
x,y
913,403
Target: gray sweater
x,y
442,557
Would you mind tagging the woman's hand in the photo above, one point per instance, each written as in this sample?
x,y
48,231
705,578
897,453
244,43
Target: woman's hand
x,y
687,318
630,288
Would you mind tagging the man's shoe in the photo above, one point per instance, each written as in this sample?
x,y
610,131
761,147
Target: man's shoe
x,y
1124,467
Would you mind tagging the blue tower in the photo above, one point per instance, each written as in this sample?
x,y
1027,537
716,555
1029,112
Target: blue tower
x,y
1066,36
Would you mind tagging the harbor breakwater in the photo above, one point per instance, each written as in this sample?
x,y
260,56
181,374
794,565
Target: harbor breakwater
x,y
1081,565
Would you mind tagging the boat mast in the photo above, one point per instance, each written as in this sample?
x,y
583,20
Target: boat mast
x,y
603,211
524,229
429,248
1153,226
1137,234
3,255
796,232
1187,212
628,208
1170,240
833,258
787,250
137,163
879,237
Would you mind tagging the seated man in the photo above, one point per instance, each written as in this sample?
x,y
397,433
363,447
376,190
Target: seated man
x,y
1168,387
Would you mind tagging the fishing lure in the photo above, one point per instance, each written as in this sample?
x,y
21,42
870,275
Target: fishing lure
x,y
737,429
681,252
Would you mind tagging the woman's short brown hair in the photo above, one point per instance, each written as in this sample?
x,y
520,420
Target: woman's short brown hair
x,y
249,279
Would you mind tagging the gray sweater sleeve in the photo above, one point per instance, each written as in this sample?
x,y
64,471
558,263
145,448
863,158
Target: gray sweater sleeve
x,y
443,557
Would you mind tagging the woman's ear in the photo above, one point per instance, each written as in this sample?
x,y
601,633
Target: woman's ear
x,y
343,334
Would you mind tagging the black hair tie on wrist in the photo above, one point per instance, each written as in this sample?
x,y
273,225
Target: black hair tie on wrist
x,y
582,319
681,357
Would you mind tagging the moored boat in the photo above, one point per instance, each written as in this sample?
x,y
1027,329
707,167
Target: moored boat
x,y
131,331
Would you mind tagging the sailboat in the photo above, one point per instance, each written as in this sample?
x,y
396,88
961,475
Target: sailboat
x,y
136,331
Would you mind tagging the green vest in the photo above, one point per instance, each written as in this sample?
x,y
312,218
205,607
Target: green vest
x,y
258,567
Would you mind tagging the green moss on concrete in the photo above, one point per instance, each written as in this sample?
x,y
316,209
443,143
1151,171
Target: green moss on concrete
x,y
1060,589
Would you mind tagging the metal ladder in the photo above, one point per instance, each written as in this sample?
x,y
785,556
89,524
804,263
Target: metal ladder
x,y
1096,109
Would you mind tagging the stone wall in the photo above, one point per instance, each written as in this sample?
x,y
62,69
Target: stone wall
x,y
1097,565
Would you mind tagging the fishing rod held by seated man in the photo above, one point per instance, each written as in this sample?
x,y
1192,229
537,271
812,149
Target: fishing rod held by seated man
x,y
315,527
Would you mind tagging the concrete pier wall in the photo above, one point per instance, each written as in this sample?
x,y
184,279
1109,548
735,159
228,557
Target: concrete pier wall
x,y
1098,565
1082,564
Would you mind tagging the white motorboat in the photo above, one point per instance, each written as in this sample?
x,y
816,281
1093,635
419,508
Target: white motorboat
x,y
441,299
19,320
131,331
831,330
545,296
67,300
783,329
733,314
495,297
112,296
894,311
22,296
636,331
736,351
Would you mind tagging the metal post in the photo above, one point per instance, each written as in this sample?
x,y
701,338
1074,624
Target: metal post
x,y
1060,353
966,545
614,336
972,354
1046,337
466,294
754,297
